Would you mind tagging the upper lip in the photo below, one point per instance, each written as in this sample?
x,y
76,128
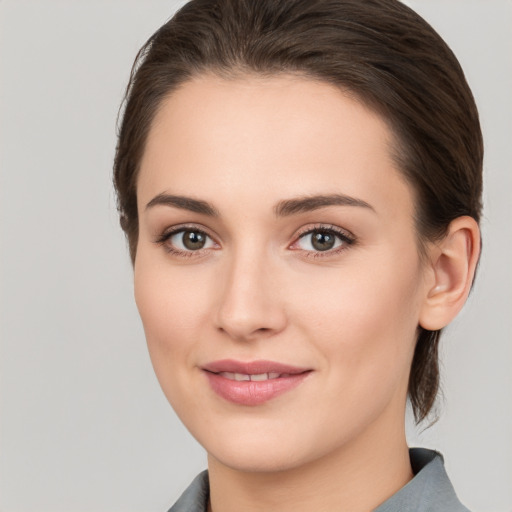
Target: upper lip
x,y
252,367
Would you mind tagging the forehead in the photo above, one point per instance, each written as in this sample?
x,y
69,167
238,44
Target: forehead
x,y
255,137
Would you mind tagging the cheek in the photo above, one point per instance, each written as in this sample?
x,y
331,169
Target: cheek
x,y
363,319
172,303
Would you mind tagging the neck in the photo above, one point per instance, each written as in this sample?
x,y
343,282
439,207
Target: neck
x,y
355,478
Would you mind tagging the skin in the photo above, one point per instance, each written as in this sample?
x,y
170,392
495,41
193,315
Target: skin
x,y
259,289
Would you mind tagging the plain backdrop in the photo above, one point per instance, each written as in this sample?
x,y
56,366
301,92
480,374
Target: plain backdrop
x,y
84,425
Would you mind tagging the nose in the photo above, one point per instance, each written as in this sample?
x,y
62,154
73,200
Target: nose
x,y
250,305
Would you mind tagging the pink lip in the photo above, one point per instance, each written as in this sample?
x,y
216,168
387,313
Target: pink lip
x,y
253,392
251,367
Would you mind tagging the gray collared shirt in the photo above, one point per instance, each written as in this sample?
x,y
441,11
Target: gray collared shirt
x,y
429,491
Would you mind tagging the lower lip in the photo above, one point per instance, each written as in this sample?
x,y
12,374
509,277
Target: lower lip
x,y
248,392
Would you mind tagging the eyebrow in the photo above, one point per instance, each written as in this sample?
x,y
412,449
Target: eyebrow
x,y
284,208
310,203
185,203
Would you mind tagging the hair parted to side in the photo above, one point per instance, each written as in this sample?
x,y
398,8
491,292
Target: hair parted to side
x,y
380,51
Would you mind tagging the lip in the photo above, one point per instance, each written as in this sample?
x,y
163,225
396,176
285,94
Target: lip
x,y
249,392
252,367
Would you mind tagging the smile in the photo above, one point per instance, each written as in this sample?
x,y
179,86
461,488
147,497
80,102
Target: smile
x,y
252,383
257,377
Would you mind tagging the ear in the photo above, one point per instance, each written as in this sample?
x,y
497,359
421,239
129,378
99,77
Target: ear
x,y
453,263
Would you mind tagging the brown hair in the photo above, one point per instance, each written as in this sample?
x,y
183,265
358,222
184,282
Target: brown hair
x,y
379,50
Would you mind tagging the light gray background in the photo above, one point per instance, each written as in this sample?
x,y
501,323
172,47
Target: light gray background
x,y
84,425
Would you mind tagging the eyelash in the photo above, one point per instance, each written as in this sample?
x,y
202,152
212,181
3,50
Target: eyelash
x,y
166,235
346,238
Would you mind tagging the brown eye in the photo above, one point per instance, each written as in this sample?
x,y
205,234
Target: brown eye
x,y
188,240
193,240
322,240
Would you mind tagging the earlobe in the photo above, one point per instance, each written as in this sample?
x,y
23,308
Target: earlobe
x,y
453,264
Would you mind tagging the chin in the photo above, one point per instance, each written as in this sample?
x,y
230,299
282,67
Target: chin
x,y
254,449
260,459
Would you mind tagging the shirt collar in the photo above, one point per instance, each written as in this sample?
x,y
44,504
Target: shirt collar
x,y
429,491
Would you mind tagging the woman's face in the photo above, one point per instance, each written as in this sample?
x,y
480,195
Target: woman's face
x,y
277,272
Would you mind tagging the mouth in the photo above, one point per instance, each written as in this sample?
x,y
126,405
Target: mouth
x,y
252,383
258,377
253,368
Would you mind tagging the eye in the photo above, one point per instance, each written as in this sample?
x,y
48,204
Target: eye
x,y
324,239
190,240
185,241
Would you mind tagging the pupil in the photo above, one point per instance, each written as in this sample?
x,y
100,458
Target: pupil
x,y
193,240
323,241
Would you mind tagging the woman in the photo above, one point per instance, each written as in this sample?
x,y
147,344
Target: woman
x,y
300,185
